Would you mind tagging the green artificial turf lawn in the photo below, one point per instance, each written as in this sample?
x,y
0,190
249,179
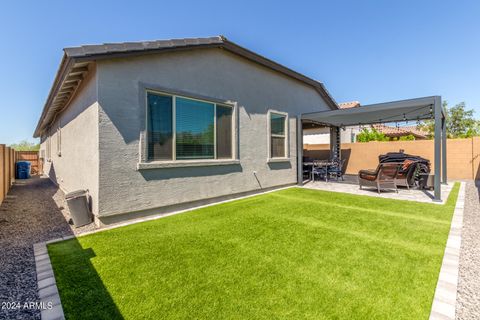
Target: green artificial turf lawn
x,y
294,253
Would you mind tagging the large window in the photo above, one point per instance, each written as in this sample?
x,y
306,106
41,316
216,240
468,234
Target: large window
x,y
278,135
180,128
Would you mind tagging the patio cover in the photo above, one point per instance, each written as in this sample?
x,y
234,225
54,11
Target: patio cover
x,y
395,111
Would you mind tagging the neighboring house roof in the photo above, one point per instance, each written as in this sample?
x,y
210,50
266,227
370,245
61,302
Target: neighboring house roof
x,y
348,105
75,64
415,131
390,131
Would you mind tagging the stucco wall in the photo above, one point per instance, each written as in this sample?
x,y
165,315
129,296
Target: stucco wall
x,y
462,154
77,165
208,72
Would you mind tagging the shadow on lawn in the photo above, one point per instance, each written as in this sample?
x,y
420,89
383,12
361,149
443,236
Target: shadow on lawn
x,y
32,215
82,291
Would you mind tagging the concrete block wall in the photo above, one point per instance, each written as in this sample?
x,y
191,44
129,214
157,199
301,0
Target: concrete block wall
x,y
463,155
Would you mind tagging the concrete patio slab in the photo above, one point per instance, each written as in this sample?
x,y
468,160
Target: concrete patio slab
x,y
403,193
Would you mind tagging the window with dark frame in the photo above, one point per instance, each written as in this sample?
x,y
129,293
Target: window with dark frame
x,y
180,128
278,135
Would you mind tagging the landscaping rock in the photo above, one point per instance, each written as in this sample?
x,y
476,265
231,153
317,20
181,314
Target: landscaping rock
x,y
34,212
468,298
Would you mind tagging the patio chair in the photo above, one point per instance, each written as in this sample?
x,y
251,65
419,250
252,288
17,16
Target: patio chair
x,y
413,167
383,178
336,169
307,167
319,169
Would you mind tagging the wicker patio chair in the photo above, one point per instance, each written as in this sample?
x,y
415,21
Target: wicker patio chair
x,y
383,178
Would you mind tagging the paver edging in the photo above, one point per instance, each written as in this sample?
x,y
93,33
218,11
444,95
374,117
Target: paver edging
x,y
445,299
46,285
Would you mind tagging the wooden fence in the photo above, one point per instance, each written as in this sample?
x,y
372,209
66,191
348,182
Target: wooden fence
x,y
7,170
463,155
32,157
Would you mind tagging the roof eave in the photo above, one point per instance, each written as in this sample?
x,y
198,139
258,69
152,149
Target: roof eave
x,y
64,64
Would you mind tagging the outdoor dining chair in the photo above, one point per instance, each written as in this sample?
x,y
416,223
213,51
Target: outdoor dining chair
x,y
336,168
319,169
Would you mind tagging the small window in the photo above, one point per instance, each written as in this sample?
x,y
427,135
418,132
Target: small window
x,y
278,135
180,128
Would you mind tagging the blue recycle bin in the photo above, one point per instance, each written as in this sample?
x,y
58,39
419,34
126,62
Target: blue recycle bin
x,y
23,170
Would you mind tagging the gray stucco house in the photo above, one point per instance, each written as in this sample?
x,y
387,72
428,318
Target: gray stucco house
x,y
152,127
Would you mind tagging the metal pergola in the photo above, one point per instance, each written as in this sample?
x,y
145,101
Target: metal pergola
x,y
396,111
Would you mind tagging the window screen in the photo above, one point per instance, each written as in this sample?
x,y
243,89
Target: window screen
x,y
277,135
224,132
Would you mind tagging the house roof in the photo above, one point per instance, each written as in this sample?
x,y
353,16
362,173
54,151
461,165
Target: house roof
x,y
390,131
76,62
348,105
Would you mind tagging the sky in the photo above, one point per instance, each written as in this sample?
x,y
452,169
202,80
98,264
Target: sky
x,y
370,51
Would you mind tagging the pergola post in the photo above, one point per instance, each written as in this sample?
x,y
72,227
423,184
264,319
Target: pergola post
x,y
437,107
299,150
335,142
444,149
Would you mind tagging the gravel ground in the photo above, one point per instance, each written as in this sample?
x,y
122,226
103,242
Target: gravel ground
x,y
33,211
468,299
